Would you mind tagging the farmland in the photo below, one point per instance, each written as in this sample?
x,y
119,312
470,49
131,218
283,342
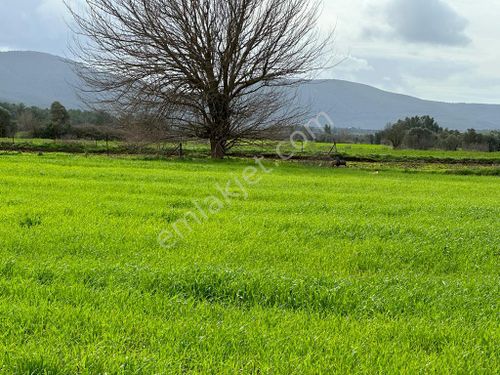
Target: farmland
x,y
312,270
198,148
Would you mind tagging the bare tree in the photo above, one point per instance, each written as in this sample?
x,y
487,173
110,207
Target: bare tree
x,y
28,123
214,69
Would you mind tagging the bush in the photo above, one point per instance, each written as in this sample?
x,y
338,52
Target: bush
x,y
449,142
420,138
97,133
5,123
413,132
423,133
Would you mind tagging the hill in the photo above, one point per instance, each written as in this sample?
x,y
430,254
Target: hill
x,y
361,106
38,79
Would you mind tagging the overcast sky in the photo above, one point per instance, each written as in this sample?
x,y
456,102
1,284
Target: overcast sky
x,y
434,49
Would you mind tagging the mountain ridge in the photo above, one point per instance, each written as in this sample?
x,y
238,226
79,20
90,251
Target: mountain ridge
x,y
37,78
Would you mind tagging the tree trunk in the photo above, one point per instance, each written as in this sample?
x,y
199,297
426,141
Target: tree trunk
x,y
220,123
217,150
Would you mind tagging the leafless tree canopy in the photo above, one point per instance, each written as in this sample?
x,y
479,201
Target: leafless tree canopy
x,y
213,68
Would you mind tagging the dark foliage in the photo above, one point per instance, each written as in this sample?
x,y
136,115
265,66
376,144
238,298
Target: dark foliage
x,y
57,122
5,122
424,132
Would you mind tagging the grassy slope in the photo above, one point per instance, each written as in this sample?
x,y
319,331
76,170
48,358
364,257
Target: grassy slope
x,y
320,270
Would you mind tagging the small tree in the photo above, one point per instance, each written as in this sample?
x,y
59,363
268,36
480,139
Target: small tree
x,y
59,121
7,127
416,132
450,142
493,140
27,122
471,137
420,138
396,134
428,123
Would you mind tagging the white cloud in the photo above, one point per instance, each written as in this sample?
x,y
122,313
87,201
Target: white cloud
x,y
353,64
421,21
436,64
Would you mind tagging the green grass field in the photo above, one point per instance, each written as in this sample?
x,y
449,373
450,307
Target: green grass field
x,y
378,151
307,270
200,148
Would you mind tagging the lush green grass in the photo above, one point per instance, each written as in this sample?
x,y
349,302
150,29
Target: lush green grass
x,y
378,150
319,271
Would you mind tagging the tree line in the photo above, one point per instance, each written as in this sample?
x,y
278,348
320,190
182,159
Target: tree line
x,y
55,122
423,133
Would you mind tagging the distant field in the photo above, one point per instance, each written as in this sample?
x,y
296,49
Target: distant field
x,y
319,270
379,152
371,150
197,148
